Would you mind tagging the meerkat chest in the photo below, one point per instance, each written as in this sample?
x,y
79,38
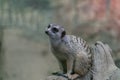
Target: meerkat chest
x,y
60,51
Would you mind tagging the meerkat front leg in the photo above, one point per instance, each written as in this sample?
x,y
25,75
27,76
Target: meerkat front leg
x,y
70,63
63,68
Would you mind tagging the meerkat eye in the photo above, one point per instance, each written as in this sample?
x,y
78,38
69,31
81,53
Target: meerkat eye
x,y
55,30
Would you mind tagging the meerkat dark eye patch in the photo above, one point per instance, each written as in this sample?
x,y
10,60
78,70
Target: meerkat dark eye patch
x,y
55,30
63,34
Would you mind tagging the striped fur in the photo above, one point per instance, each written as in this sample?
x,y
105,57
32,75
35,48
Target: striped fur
x,y
73,53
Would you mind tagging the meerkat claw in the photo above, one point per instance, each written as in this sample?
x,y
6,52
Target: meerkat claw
x,y
73,76
60,74
69,76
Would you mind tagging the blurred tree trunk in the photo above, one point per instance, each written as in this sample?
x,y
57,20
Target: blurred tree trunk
x,y
104,67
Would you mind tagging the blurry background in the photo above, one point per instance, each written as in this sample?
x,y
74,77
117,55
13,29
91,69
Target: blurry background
x,y
24,47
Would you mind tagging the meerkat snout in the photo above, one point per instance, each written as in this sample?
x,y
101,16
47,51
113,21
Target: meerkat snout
x,y
46,31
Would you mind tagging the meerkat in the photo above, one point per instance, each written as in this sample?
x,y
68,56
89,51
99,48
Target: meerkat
x,y
72,53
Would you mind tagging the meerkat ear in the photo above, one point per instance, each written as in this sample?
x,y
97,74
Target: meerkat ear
x,y
63,34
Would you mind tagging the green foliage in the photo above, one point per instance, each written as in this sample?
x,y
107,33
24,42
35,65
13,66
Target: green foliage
x,y
32,16
34,4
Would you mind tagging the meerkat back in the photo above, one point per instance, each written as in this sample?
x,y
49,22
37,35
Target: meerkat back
x,y
82,55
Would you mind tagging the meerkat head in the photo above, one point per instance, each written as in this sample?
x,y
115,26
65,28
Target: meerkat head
x,y
55,31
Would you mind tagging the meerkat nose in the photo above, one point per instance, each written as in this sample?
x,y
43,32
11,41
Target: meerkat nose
x,y
46,32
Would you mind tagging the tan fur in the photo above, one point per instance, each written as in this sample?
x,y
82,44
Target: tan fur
x,y
72,52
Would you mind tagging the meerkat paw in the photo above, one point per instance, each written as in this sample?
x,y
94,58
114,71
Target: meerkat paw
x,y
56,73
72,76
69,76
75,76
